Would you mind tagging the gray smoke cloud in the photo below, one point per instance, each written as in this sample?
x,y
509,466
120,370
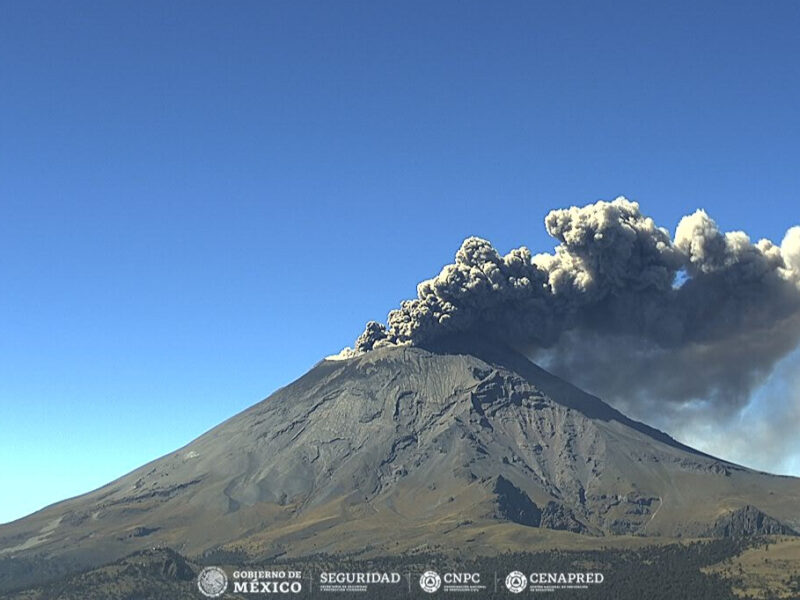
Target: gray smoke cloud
x,y
763,434
622,308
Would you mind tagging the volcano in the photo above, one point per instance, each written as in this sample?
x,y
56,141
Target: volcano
x,y
465,446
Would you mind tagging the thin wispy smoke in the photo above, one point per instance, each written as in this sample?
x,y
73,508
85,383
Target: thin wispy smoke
x,y
622,307
763,435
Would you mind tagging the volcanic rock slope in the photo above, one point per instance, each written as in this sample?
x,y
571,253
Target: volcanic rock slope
x,y
405,448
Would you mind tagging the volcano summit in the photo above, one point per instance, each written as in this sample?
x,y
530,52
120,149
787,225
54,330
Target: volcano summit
x,y
436,433
407,448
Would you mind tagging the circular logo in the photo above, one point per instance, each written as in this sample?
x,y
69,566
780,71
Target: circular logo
x,y
516,582
430,581
212,582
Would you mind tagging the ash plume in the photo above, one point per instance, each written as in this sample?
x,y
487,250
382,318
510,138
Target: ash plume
x,y
622,307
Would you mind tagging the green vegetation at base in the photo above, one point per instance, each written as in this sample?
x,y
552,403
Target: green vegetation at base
x,y
653,572
669,571
768,569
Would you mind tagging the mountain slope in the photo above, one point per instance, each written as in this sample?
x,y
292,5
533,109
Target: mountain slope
x,y
405,448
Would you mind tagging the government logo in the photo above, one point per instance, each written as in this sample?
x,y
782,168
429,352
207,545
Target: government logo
x,y
212,582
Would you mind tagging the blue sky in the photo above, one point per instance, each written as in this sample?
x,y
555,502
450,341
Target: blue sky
x,y
199,200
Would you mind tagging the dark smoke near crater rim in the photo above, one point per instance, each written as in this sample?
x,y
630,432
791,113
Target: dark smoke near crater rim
x,y
716,306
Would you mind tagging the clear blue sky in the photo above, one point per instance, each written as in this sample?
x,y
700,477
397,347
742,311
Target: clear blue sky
x,y
199,200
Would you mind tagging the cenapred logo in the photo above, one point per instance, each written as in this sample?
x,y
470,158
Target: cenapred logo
x,y
212,582
430,581
516,582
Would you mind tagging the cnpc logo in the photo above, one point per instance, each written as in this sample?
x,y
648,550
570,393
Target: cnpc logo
x,y
431,581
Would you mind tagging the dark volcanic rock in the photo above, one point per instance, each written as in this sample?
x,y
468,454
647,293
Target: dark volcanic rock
x,y
513,504
557,516
748,521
